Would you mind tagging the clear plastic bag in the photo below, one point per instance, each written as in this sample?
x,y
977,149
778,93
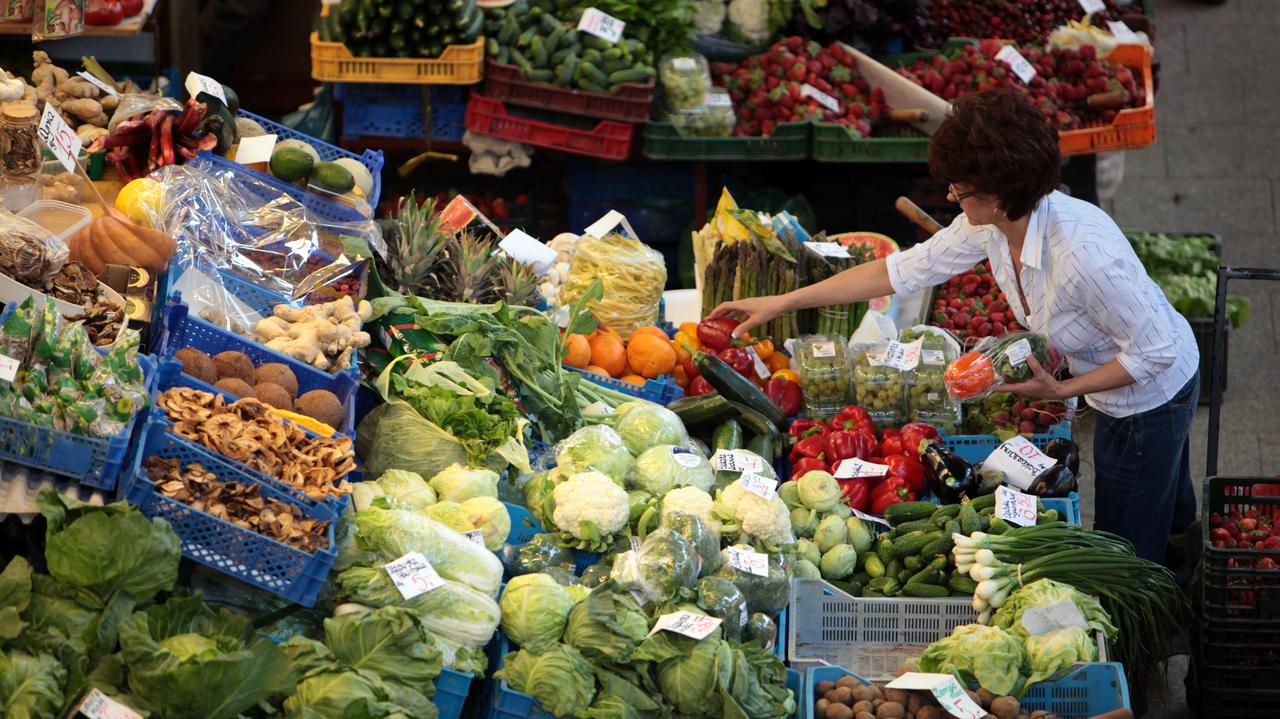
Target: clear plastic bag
x,y
537,555
29,253
713,117
704,538
878,385
997,361
927,397
685,79
634,276
660,568
721,598
132,105
209,299
823,366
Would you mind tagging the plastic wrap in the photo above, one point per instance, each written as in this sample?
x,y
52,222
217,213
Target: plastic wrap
x,y
133,104
704,538
685,80
713,118
721,598
206,296
997,361
633,274
927,397
823,366
595,447
537,555
660,568
29,253
764,594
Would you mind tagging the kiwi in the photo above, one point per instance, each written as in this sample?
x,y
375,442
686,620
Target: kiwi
x,y
197,364
235,364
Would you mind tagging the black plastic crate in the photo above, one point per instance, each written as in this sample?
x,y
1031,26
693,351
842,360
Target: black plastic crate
x,y
1238,584
1240,646
1202,328
1234,702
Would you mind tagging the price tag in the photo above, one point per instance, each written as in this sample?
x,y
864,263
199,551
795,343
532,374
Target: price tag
x,y
717,99
823,98
1015,507
899,356
528,251
1018,352
59,137
100,706
97,83
8,368
732,460
758,485
1020,461
1063,615
603,226
685,64
933,358
694,626
829,249
1093,6
597,408
1122,33
823,349
685,458
475,535
749,561
854,467
762,370
413,575
635,543
945,689
743,615
1010,56
197,83
255,149
870,518
605,27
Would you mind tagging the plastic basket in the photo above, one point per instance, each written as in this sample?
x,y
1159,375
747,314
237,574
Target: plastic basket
x,y
452,690
630,103
371,159
977,447
837,143
608,140
663,390
1089,690
327,206
664,141
1234,586
871,636
457,65
1132,127
181,330
226,547
1068,507
399,114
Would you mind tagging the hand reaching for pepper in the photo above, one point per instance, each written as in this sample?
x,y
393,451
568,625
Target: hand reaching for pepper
x,y
753,311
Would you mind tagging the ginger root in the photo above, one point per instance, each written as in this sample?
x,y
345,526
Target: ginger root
x,y
46,76
86,109
89,132
75,86
324,336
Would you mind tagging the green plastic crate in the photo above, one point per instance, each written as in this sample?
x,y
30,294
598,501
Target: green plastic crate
x,y
836,143
664,141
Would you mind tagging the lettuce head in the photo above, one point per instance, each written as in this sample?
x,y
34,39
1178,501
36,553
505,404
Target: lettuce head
x,y
457,483
643,425
595,447
534,610
665,466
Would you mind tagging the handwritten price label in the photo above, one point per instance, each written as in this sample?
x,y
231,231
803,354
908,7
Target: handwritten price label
x,y
694,626
58,137
197,83
1015,507
1020,461
758,485
8,368
100,706
476,536
945,689
732,460
749,561
828,249
899,356
823,98
1092,6
413,575
854,467
1010,56
603,26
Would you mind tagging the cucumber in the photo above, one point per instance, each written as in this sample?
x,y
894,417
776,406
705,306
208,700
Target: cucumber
x,y
913,543
727,436
874,566
538,54
861,578
721,376
953,527
492,46
764,445
884,549
472,30
553,40
908,527
597,76
903,512
998,526
702,413
564,75
753,420
878,582
941,545
949,511
968,519
612,66
539,76
589,86
634,74
915,562
892,588
930,573
526,37
986,501
596,43
912,589
962,583
893,568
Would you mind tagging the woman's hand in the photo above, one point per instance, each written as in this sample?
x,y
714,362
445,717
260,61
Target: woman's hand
x,y
1042,385
751,312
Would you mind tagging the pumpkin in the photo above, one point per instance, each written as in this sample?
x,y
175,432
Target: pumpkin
x,y
114,239
651,357
579,351
607,351
634,379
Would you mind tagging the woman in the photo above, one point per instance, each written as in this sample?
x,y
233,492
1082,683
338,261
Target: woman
x,y
1071,276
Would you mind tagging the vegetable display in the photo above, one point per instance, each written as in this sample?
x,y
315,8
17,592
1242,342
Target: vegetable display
x,y
401,29
1186,268
848,698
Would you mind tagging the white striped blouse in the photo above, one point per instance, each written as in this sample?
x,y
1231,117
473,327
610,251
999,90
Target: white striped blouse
x,y
1087,291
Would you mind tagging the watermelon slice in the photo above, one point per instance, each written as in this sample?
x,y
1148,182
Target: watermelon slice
x,y
883,245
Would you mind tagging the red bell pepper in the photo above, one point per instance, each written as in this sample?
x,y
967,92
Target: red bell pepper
x,y
913,433
802,428
909,468
717,333
786,395
104,12
891,446
856,492
739,360
807,465
691,369
891,432
849,417
849,443
131,7
891,491
815,447
699,386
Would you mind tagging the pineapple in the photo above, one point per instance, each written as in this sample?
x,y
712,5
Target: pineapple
x,y
416,252
517,283
472,262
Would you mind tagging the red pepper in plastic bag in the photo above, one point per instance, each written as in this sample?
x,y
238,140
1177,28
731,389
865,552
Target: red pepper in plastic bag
x,y
717,333
739,360
786,395
103,12
699,386
908,468
802,428
856,492
806,465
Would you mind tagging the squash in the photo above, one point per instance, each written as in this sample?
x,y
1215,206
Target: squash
x,y
113,239
651,357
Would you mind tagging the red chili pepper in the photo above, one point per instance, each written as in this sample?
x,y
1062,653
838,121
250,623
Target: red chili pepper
x,y
891,491
856,492
802,428
806,465
891,446
908,468
739,359
716,333
815,447
785,394
849,417
913,433
849,443
699,386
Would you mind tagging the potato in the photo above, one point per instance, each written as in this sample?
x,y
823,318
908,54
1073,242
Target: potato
x,y
914,702
821,706
891,710
865,715
864,692
984,698
928,712
877,691
1005,708
877,702
844,695
864,706
839,711
850,681
896,695
824,687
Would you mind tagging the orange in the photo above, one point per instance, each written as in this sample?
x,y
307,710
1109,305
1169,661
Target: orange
x,y
634,379
786,374
597,370
650,330
607,351
578,351
777,361
651,357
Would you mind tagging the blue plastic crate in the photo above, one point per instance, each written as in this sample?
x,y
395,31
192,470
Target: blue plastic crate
x,y
226,547
388,111
663,390
452,689
1068,507
975,448
181,330
1088,691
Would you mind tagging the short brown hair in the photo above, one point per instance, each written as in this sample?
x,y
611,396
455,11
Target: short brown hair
x,y
998,143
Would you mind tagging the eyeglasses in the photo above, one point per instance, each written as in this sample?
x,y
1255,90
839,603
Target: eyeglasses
x,y
957,196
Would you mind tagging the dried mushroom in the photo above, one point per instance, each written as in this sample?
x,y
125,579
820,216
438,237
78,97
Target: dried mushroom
x,y
30,253
102,320
240,504
74,284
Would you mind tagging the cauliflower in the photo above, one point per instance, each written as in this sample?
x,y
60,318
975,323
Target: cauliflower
x,y
750,18
708,16
590,508
690,500
767,520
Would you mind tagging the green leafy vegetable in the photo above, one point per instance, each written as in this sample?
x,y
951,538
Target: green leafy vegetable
x,y
598,448
388,642
1044,593
559,678
643,425
452,611
1051,652
989,656
30,686
607,626
534,610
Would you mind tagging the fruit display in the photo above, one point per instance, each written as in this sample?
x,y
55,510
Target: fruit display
x,y
879,387
649,354
823,366
927,398
401,28
1022,22
971,306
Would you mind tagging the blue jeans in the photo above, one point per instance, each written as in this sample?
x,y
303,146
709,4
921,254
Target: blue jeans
x,y
1142,469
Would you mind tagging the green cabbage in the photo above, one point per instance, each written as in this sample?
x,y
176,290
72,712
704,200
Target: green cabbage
x,y
452,611
457,483
393,533
388,642
15,595
663,467
404,486
595,447
762,630
559,678
1051,652
342,694
820,491
989,656
30,686
1045,593
607,626
534,610
642,425
484,513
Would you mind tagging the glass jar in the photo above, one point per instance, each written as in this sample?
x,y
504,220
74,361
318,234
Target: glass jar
x,y
823,366
19,145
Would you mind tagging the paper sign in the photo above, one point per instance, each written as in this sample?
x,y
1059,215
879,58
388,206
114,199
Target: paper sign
x,y
749,561
100,706
88,76
1093,6
528,251
854,467
823,349
1063,615
685,458
732,460
597,408
1122,33
1020,460
762,369
933,358
413,575
601,25
870,518
1018,352
8,368
684,64
694,626
945,689
609,223
1010,56
758,485
717,99
899,356
197,83
255,149
823,98
1015,507
59,137
475,535
828,249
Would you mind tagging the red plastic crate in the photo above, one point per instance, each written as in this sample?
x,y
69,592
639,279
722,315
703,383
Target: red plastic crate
x,y
629,104
608,140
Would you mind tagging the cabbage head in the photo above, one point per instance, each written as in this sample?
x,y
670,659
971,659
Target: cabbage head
x,y
663,467
452,611
31,686
559,678
595,447
1045,593
1051,652
355,693
989,656
764,594
392,533
644,425
484,513
388,642
457,483
607,626
820,491
534,610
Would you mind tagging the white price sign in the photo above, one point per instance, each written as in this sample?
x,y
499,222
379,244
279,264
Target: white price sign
x,y
823,98
758,485
854,467
1010,56
413,575
88,76
684,64
476,536
605,27
1063,615
823,349
100,706
526,250
59,137
749,561
828,249
945,689
899,356
1015,507
1092,6
1020,461
694,626
197,83
870,518
762,369
8,368
933,358
1122,33
732,460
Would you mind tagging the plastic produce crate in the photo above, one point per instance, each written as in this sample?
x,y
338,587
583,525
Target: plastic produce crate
x,y
226,547
371,159
1088,691
457,65
663,390
1132,127
977,447
608,140
396,111
665,141
630,103
837,143
452,690
1235,586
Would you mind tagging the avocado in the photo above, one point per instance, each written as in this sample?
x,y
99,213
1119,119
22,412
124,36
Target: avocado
x,y
291,163
332,177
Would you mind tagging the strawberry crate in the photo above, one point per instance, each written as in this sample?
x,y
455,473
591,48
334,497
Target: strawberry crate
x,y
604,140
1241,584
397,110
837,143
630,103
665,141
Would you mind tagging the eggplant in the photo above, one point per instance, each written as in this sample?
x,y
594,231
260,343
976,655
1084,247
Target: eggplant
x,y
1056,481
1066,452
950,478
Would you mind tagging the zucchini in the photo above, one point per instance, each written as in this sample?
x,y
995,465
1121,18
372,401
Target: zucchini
x,y
874,566
700,413
764,445
902,512
913,589
728,436
753,420
719,375
962,583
